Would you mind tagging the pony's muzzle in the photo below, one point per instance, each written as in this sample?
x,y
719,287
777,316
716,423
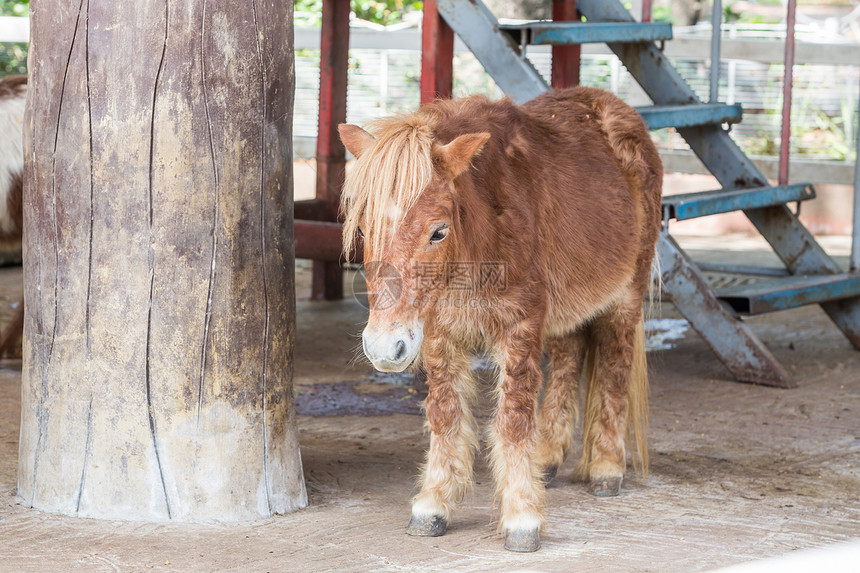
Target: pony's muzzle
x,y
393,348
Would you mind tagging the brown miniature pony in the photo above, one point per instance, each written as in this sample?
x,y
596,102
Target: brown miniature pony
x,y
514,228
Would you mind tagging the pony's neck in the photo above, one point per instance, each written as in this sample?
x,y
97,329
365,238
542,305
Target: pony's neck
x,y
479,232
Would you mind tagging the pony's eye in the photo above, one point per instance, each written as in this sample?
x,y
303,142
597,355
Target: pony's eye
x,y
360,232
439,234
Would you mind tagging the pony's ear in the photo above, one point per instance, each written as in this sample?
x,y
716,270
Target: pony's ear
x,y
457,155
355,139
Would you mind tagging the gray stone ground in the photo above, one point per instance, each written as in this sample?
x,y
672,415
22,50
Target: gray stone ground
x,y
738,472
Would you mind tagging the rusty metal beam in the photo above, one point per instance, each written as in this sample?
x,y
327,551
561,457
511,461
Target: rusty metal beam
x,y
728,336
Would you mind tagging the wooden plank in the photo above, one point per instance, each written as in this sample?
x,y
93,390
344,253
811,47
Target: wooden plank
x,y
312,210
322,241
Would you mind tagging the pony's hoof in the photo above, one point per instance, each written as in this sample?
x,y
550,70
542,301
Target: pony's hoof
x,y
432,526
522,540
605,487
549,474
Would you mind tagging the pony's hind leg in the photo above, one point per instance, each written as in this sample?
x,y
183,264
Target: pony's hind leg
x,y
514,439
617,385
558,411
448,471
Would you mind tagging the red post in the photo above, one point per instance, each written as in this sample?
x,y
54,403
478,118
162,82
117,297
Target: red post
x,y
327,282
647,9
565,59
437,55
785,135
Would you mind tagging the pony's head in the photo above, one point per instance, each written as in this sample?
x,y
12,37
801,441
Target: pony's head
x,y
401,198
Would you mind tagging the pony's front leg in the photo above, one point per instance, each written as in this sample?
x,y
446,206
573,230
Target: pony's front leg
x,y
448,472
513,456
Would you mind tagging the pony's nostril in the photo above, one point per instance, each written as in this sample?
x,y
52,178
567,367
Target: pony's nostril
x,y
399,351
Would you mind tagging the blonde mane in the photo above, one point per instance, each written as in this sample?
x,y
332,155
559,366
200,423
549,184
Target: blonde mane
x,y
387,180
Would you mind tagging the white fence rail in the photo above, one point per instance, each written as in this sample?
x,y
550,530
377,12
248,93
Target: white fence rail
x,y
14,29
684,45
688,44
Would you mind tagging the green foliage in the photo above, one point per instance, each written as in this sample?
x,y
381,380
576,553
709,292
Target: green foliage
x,y
662,14
14,7
13,57
729,14
383,12
307,12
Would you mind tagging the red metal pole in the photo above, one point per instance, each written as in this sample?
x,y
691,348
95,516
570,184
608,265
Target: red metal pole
x,y
565,59
327,281
646,10
785,136
437,55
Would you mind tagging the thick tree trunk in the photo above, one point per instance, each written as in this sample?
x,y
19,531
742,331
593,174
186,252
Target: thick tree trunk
x,y
157,379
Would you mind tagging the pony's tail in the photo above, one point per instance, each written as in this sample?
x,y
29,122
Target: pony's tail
x,y
637,407
637,404
631,143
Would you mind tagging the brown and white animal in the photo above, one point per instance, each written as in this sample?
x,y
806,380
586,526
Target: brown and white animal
x,y
516,228
13,92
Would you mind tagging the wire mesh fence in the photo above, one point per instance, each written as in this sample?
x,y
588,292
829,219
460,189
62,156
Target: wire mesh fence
x,y
386,81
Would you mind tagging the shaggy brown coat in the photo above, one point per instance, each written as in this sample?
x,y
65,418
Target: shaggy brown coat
x,y
561,195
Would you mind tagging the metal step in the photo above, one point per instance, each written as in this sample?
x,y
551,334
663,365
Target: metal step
x,y
565,33
745,356
692,115
692,205
789,292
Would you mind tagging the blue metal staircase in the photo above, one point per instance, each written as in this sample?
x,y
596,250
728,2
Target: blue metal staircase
x,y
810,276
662,116
564,33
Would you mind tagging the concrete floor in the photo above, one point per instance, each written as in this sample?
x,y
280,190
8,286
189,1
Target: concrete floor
x,y
738,472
